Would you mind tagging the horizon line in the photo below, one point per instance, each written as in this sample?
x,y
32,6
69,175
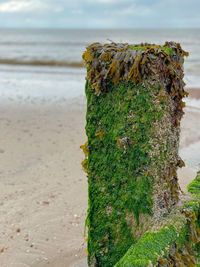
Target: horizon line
x,y
114,28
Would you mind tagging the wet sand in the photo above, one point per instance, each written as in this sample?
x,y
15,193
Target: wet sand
x,y
194,92
43,190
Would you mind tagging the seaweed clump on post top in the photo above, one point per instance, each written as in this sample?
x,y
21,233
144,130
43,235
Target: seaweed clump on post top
x,y
134,107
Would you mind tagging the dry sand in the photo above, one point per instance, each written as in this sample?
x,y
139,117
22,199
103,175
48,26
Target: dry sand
x,y
43,190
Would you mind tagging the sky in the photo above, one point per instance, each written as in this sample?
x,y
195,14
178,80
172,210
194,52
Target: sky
x,y
99,14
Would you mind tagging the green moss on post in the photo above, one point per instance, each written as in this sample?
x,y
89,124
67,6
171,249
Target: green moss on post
x,y
174,241
134,105
146,251
194,186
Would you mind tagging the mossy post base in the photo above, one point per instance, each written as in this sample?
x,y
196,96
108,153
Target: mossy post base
x,y
134,105
174,241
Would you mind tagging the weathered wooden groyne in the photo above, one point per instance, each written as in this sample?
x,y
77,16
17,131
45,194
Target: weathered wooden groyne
x,y
136,214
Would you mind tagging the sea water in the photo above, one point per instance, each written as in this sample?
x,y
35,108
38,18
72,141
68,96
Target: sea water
x,y
47,63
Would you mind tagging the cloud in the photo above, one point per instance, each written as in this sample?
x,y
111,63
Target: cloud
x,y
100,13
15,6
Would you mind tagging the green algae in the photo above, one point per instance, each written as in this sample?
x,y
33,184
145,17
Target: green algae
x,y
149,248
137,47
194,186
170,245
168,50
178,243
127,190
164,48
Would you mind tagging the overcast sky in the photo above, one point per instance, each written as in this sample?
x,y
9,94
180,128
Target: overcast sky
x,y
100,13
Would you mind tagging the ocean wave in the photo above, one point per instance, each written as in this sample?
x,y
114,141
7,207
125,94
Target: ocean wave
x,y
51,63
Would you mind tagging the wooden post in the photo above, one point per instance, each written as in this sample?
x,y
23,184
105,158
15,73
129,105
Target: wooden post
x,y
134,106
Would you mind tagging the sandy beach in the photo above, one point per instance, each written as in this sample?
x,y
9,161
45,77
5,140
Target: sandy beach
x,y
43,190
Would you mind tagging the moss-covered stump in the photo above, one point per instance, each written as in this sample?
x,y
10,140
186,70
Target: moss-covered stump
x,y
134,106
175,241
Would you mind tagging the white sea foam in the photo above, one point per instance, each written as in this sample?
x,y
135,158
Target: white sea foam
x,y
50,84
